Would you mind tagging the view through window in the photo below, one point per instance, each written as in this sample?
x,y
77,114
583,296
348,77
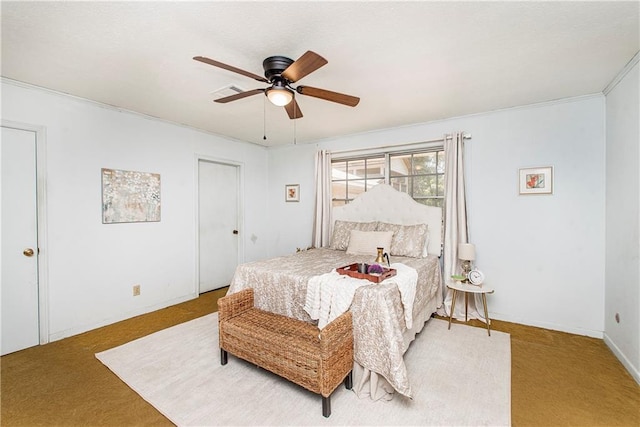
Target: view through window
x,y
417,173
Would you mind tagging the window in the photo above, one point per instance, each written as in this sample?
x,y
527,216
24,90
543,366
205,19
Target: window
x,y
417,173
421,175
351,177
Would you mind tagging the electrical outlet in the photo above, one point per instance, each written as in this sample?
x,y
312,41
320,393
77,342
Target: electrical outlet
x,y
136,290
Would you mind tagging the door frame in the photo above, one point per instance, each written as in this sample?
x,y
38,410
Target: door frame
x,y
41,220
240,209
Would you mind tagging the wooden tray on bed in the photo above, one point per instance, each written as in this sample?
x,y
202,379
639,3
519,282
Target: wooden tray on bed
x,y
352,271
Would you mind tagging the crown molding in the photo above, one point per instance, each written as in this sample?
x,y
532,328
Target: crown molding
x,y
622,73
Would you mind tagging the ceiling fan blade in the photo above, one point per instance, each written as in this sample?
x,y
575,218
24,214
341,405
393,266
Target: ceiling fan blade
x,y
293,110
230,68
238,96
306,64
328,95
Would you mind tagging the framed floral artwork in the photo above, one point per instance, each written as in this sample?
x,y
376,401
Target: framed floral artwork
x,y
292,192
536,180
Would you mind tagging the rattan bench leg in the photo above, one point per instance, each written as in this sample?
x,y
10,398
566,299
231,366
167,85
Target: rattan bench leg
x,y
223,357
348,381
326,406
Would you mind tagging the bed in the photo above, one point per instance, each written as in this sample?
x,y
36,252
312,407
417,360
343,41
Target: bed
x,y
384,325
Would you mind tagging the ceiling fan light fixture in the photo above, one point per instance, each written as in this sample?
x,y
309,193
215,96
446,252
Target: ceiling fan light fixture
x,y
279,96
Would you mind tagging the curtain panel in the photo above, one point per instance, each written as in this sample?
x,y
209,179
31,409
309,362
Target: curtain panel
x,y
456,229
322,214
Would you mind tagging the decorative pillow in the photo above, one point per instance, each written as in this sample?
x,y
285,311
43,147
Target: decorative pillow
x,y
342,232
408,240
367,242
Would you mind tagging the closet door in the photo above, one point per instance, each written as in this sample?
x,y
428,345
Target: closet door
x,y
19,283
218,228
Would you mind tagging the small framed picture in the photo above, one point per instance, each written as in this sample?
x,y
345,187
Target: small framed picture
x,y
292,192
536,180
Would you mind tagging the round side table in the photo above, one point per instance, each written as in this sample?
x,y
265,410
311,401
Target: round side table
x,y
469,289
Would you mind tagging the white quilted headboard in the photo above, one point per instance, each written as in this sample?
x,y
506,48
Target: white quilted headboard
x,y
384,203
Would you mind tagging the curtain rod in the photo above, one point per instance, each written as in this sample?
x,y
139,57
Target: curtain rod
x,y
447,137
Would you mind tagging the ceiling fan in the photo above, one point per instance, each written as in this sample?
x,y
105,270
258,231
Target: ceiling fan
x,y
280,72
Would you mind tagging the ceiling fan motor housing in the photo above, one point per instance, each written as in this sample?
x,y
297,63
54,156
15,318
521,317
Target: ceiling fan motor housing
x,y
275,65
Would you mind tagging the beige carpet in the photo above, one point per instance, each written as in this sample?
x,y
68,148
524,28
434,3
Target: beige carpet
x,y
459,377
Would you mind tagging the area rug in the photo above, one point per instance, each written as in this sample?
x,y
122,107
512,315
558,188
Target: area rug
x,y
459,377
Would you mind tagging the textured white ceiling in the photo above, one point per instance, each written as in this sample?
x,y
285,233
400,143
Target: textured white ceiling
x,y
409,62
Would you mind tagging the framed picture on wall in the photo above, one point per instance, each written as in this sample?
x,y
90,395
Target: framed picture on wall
x,y
292,192
536,180
130,196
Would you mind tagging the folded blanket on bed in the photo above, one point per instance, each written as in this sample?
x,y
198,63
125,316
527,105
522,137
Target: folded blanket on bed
x,y
330,294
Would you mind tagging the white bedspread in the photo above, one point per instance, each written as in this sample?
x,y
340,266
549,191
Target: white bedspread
x,y
331,294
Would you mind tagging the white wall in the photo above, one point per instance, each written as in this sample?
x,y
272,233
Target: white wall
x,y
623,222
544,255
291,222
92,266
533,249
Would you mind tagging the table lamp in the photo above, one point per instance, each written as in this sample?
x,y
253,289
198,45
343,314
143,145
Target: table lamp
x,y
466,253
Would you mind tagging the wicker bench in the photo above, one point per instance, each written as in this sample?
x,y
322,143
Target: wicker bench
x,y
318,360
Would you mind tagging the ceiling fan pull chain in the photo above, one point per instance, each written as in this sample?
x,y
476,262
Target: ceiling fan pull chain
x,y
295,114
264,118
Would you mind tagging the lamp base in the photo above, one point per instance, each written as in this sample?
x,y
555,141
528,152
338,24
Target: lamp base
x,y
466,268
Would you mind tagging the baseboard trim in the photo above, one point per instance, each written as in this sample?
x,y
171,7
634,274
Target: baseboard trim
x,y
142,310
635,373
547,325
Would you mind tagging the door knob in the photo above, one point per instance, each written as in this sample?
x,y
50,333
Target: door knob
x,y
28,252
235,231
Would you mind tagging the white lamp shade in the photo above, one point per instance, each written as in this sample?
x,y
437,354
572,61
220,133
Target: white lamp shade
x,y
279,96
466,251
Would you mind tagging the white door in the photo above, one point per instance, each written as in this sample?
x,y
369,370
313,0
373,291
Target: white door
x,y
18,230
218,223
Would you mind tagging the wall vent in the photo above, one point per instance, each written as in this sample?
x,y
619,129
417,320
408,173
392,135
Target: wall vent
x,y
227,91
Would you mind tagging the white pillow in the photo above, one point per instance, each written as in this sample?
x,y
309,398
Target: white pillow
x,y
367,242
